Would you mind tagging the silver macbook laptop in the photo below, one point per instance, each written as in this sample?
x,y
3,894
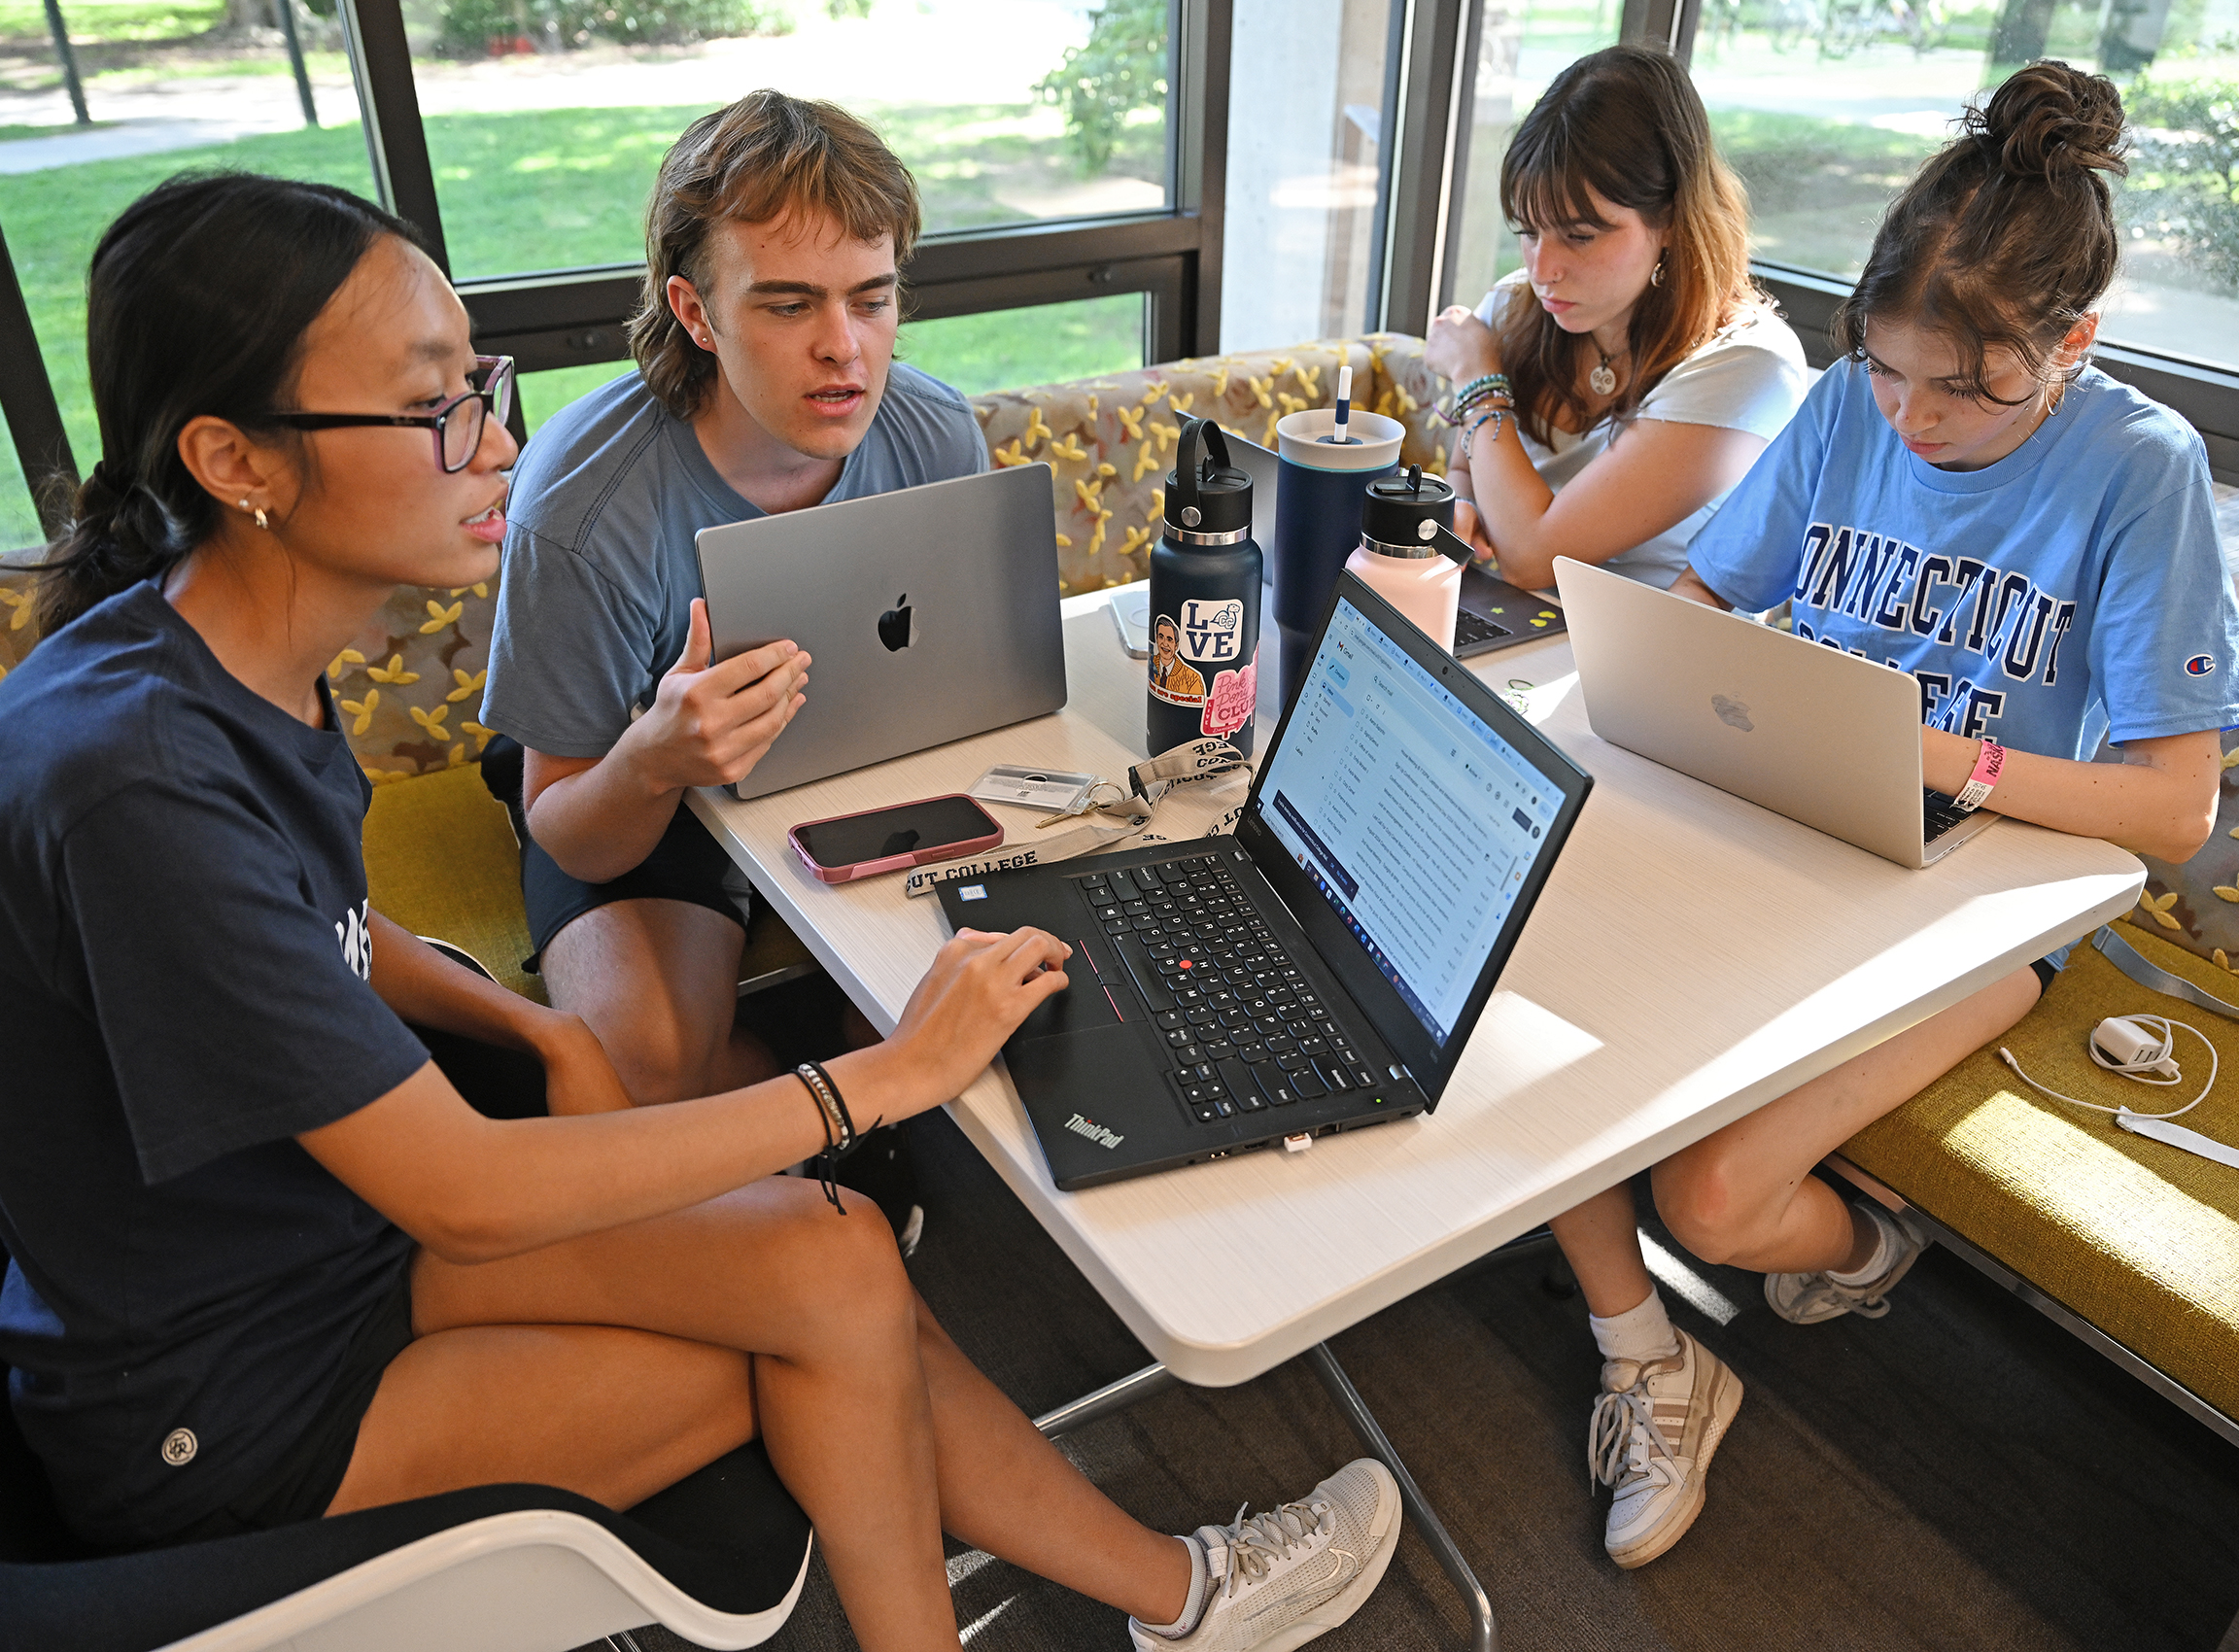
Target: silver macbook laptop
x,y
1806,730
929,614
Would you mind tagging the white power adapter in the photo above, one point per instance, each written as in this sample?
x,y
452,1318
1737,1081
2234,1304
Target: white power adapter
x,y
2126,1046
2138,1048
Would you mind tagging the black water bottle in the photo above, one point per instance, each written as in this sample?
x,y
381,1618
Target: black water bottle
x,y
1204,678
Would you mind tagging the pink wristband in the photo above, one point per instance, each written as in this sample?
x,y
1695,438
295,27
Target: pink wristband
x,y
1989,764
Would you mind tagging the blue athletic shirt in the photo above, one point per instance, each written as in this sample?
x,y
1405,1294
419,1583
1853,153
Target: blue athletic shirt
x,y
2072,590
183,957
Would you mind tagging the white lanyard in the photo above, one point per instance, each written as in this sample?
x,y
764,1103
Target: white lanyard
x,y
1114,815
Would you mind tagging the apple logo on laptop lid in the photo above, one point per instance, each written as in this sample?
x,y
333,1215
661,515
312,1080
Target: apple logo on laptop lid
x,y
894,625
1734,713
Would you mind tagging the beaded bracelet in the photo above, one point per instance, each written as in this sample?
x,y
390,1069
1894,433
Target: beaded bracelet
x,y
1488,387
839,1136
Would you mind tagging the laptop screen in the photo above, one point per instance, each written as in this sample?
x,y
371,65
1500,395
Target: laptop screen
x,y
1409,813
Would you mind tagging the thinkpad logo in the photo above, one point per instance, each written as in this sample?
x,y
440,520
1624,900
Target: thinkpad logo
x,y
1095,1131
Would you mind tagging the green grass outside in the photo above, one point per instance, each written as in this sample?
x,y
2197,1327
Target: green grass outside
x,y
553,190
113,19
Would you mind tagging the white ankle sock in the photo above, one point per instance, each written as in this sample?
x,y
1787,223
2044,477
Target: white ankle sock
x,y
1642,1333
1884,1249
1194,1607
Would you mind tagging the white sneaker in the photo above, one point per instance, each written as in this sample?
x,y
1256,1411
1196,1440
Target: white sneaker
x,y
1652,1435
1282,1578
1808,1299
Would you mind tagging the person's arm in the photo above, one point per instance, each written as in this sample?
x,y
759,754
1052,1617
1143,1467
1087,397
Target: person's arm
x,y
2159,801
429,990
1690,585
475,1190
709,725
1658,472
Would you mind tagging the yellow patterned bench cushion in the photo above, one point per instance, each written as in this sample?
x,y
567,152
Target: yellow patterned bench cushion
x,y
2137,1237
441,860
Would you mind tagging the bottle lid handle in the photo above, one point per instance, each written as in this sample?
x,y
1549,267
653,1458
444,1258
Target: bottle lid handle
x,y
1186,468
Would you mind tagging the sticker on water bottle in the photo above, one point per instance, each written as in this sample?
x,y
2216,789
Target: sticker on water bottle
x,y
1213,631
1172,679
1228,706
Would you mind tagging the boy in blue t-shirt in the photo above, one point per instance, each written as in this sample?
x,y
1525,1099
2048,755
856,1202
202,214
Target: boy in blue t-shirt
x,y
1963,499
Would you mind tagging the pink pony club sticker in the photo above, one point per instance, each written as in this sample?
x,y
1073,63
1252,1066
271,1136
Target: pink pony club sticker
x,y
2200,664
1228,703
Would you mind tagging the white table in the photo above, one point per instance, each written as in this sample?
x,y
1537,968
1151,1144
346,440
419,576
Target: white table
x,y
1692,957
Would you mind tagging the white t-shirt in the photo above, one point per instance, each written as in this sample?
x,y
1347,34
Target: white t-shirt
x,y
1750,377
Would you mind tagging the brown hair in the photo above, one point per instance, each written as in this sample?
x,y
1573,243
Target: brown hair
x,y
763,157
1627,125
2006,236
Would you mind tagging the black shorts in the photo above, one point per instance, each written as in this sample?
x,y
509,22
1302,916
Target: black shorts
x,y
685,865
2046,973
304,1481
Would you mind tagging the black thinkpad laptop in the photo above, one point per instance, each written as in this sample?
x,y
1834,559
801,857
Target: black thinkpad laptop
x,y
1323,968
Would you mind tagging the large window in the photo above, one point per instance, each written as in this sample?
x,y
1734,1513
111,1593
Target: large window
x,y
1827,106
546,119
1304,163
1059,146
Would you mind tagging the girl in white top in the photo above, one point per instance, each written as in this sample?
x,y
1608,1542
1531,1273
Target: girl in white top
x,y
1642,372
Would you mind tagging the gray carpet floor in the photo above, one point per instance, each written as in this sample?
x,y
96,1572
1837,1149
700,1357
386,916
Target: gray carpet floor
x,y
1961,1475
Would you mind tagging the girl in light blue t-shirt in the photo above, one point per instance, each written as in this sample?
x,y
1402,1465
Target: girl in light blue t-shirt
x,y
1963,498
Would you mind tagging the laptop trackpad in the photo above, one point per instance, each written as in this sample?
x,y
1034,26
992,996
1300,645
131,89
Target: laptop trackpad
x,y
1083,1006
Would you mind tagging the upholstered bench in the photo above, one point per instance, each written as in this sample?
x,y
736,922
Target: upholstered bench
x,y
2129,1242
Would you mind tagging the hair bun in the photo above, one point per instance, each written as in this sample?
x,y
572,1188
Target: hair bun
x,y
2050,121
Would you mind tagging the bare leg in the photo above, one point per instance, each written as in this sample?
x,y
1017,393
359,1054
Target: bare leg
x,y
657,981
1007,1490
1601,1240
1746,1195
836,1333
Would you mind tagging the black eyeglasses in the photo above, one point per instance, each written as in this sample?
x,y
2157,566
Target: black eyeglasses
x,y
458,423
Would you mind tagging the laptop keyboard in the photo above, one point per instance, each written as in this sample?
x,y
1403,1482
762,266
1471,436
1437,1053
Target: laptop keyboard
x,y
1471,628
1938,814
1244,1030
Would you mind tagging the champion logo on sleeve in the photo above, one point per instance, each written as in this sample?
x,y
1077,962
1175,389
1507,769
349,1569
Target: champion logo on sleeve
x,y
2200,664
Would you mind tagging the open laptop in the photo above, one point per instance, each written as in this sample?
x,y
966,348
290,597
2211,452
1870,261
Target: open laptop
x,y
929,614
1806,731
1323,968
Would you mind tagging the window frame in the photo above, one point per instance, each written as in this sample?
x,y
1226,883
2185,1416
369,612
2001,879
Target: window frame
x,y
577,317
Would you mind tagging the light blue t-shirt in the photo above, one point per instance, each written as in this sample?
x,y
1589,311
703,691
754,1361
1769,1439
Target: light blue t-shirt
x,y
600,565
2072,590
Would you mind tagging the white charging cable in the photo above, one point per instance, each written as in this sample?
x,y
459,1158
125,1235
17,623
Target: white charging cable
x,y
2139,1048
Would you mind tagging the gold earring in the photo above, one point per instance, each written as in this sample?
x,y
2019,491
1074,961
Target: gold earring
x,y
263,521
1655,275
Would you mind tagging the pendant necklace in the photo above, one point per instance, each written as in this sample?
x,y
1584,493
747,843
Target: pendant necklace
x,y
1602,379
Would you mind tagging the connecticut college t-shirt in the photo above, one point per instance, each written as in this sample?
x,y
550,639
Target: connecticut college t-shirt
x,y
183,957
2072,590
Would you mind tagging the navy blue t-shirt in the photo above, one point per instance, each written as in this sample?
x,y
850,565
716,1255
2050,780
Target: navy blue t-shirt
x,y
184,958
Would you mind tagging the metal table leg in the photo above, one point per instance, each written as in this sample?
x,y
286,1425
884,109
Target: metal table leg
x,y
1485,1633
1111,1397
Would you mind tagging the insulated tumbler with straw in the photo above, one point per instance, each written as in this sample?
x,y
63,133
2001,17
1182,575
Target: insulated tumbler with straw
x,y
1318,493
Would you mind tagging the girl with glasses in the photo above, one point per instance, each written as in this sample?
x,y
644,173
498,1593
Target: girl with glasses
x,y
265,1262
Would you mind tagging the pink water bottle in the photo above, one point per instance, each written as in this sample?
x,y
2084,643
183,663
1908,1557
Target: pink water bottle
x,y
1399,554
